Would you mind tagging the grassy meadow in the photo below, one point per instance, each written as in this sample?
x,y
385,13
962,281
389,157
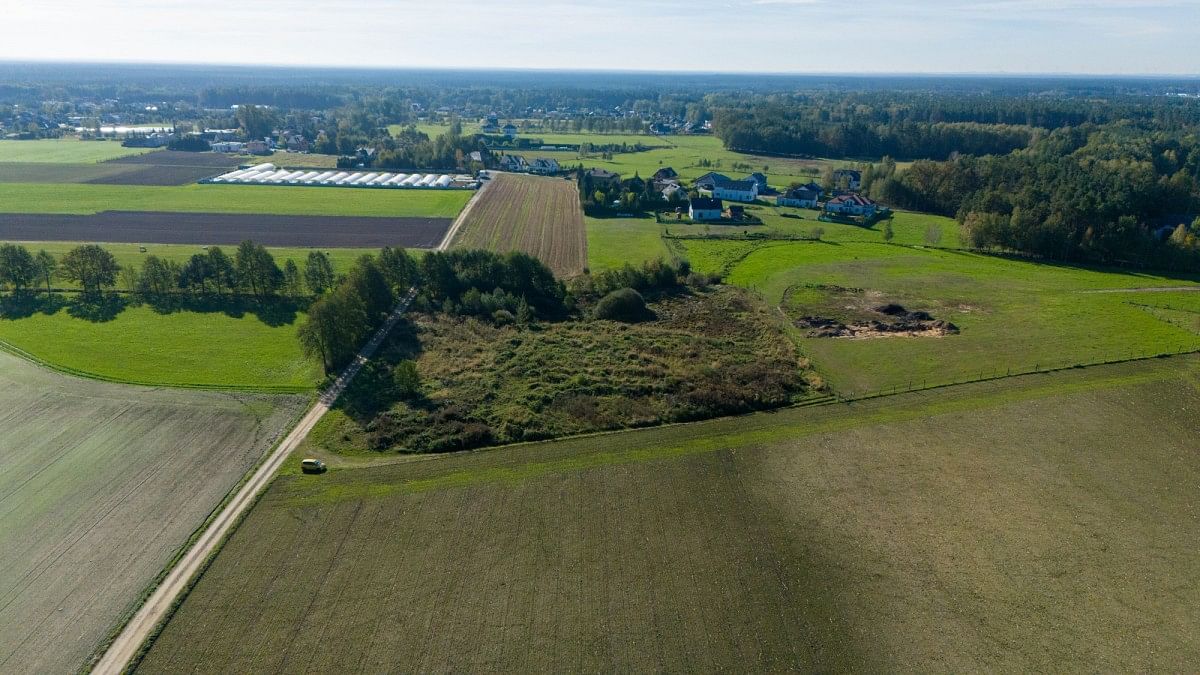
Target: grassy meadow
x,y
999,526
613,242
1013,314
100,484
245,347
279,200
65,151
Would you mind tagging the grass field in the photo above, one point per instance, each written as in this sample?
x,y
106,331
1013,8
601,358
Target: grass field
x,y
242,348
613,242
540,216
684,153
1040,523
68,151
61,172
283,200
100,484
1013,314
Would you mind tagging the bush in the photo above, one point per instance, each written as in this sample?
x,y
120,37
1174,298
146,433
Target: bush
x,y
624,304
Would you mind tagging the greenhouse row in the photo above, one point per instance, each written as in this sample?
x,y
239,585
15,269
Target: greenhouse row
x,y
269,174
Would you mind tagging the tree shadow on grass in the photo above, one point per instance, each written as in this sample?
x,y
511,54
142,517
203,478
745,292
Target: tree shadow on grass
x,y
274,312
25,305
377,388
106,306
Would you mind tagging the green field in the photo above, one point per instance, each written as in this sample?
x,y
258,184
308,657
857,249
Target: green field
x,y
1039,523
242,348
68,151
60,172
1013,314
100,485
280,200
613,242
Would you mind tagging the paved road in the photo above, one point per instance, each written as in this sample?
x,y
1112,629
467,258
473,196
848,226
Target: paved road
x,y
157,606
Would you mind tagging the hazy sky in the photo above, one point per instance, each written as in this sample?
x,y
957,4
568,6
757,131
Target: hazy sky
x,y
1014,36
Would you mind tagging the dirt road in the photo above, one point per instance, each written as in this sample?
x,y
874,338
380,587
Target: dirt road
x,y
158,605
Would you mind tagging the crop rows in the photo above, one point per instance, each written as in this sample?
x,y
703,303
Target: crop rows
x,y
540,216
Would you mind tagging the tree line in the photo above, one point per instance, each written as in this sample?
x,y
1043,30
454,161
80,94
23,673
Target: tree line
x,y
251,270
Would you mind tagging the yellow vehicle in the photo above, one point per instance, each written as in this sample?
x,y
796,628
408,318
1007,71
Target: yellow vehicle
x,y
313,466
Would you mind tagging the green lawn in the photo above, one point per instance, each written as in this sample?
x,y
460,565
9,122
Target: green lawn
x,y
68,151
612,242
183,348
281,200
1035,524
1012,314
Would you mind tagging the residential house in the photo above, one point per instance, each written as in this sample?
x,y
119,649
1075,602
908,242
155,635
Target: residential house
x,y
760,179
804,196
602,178
666,173
735,212
734,190
709,180
258,147
515,163
545,166
673,192
510,130
489,127
228,146
851,204
705,208
850,178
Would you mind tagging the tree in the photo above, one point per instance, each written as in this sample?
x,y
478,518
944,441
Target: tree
x,y
157,277
17,267
336,322
933,234
291,278
46,266
221,269
888,232
256,269
196,273
399,267
91,266
318,272
367,282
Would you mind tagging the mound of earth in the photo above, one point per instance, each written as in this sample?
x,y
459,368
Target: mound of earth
x,y
898,322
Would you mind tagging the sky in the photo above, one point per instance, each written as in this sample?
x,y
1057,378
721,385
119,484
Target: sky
x,y
777,36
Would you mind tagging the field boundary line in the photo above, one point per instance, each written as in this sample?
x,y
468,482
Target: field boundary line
x,y
157,608
462,215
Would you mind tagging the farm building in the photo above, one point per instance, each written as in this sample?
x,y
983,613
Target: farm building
x,y
705,208
804,196
851,205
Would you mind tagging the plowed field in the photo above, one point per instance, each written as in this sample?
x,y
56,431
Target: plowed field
x,y
540,216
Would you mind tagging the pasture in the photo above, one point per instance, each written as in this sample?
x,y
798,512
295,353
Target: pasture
x,y
1013,314
1035,523
253,199
65,151
613,242
227,345
540,216
100,485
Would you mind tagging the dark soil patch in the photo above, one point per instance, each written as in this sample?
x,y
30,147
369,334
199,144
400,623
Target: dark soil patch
x,y
32,172
175,158
151,227
167,174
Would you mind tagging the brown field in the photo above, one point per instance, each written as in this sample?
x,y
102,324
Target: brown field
x,y
156,174
175,158
540,216
100,485
149,227
1039,523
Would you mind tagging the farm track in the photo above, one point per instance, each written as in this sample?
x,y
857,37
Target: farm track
x,y
157,607
540,216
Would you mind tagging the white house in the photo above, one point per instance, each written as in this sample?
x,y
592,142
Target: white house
x,y
705,208
734,190
804,197
545,166
851,205
513,163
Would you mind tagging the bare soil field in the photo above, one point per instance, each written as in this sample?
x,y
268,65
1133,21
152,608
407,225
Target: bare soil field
x,y
1044,522
100,485
540,216
175,158
149,227
155,174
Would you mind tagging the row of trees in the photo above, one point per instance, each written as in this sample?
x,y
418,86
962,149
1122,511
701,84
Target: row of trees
x,y
251,270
